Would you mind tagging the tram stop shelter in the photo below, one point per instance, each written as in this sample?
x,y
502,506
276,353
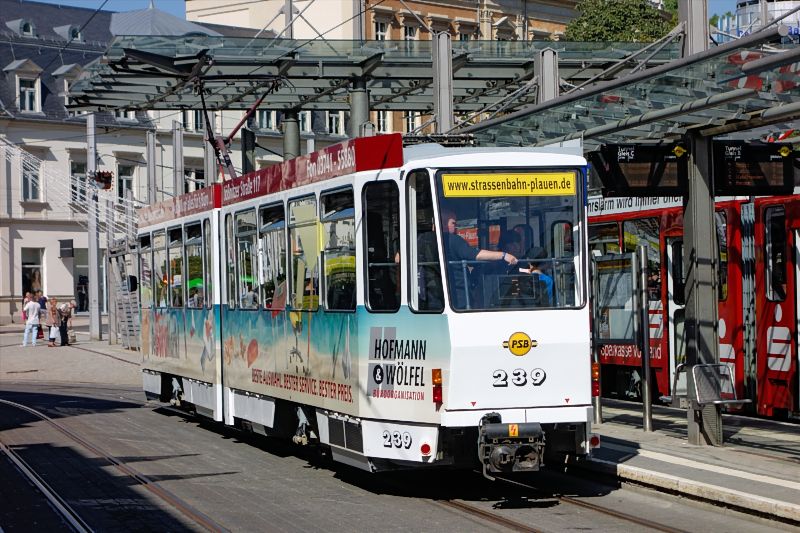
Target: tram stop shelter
x,y
513,93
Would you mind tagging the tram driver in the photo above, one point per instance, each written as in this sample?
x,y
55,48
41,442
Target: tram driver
x,y
457,249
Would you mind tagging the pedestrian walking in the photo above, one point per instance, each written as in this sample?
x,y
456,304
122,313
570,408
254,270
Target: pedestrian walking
x,y
52,322
31,310
42,299
64,316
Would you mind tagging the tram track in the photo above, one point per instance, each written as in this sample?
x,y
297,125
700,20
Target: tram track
x,y
138,478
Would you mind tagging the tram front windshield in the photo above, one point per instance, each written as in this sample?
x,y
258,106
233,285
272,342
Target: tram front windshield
x,y
530,215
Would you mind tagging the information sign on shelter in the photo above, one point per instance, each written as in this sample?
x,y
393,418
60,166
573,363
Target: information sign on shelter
x,y
744,168
641,170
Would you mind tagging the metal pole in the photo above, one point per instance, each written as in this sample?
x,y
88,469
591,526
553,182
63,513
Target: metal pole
x,y
545,66
95,330
151,166
359,106
291,135
209,157
700,264
443,82
647,423
177,157
289,17
110,277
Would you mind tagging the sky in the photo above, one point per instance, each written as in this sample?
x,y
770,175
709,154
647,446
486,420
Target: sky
x,y
176,7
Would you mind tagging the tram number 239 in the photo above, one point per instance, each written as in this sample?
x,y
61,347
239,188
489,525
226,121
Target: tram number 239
x,y
519,377
395,439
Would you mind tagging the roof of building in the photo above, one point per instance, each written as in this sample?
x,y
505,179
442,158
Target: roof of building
x,y
48,50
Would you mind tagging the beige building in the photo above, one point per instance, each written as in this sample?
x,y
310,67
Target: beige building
x,y
465,20
43,150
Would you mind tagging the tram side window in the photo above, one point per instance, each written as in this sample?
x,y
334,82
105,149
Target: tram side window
x,y
209,264
273,257
644,231
145,272
339,250
195,277
604,239
382,241
425,291
563,272
775,253
230,264
304,243
246,257
160,271
176,274
721,222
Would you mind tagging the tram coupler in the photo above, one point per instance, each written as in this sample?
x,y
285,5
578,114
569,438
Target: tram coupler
x,y
504,448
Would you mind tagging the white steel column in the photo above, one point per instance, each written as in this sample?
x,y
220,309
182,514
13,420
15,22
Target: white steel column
x,y
95,330
443,81
177,157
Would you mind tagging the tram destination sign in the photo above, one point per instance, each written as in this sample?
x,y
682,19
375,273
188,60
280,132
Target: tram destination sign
x,y
746,168
641,170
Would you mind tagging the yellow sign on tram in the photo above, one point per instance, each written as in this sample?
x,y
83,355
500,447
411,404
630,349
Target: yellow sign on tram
x,y
509,184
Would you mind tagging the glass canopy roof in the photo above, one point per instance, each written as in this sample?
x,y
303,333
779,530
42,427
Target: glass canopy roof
x,y
727,87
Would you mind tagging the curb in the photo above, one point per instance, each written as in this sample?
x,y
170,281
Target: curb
x,y
713,493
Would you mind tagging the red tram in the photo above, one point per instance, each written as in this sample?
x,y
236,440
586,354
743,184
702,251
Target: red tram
x,y
758,251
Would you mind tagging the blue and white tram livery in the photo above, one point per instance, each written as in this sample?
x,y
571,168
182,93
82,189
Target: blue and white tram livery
x,y
368,303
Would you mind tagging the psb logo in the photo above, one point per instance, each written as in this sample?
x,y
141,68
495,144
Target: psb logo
x,y
519,343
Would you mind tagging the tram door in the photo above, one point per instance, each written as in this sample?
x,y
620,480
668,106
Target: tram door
x,y
776,309
676,308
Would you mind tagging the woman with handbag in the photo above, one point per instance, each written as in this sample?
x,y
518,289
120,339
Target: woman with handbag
x,y
51,322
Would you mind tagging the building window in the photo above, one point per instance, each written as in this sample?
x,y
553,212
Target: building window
x,y
195,179
304,120
124,179
410,119
380,31
124,114
32,270
27,29
74,34
382,121
77,171
27,95
336,122
185,120
409,33
265,120
199,121
30,181
464,36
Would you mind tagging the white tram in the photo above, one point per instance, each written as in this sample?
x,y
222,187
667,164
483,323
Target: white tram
x,y
362,297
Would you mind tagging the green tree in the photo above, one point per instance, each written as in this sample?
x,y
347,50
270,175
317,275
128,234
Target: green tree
x,y
617,20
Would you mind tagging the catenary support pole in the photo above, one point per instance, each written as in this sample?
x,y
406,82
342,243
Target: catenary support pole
x,y
443,81
150,142
95,330
111,279
177,157
359,106
291,135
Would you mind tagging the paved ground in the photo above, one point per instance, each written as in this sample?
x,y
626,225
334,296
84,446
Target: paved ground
x,y
757,469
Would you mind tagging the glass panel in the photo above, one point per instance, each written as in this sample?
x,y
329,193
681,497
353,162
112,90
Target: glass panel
x,y
775,253
230,265
382,207
176,275
209,264
304,242
645,232
160,269
604,238
426,291
339,250
273,257
32,270
77,181
246,257
678,273
722,252
481,231
145,274
195,279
